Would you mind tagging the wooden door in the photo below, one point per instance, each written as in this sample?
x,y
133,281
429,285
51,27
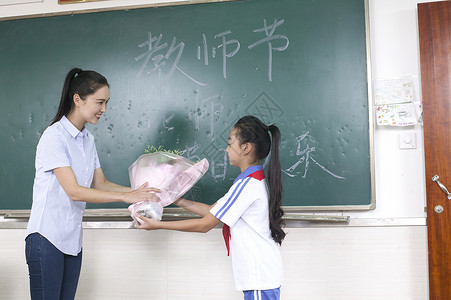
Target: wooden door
x,y
434,21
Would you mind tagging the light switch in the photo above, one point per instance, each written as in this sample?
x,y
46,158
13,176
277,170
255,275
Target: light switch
x,y
407,140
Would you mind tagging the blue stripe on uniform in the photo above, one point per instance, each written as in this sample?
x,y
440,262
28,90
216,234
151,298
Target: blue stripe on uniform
x,y
232,199
223,207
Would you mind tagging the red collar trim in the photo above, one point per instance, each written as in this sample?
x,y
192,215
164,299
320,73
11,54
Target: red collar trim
x,y
259,175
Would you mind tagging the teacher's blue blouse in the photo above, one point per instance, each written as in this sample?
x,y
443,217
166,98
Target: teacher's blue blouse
x,y
53,214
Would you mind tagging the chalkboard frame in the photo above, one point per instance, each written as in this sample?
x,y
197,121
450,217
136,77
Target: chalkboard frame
x,y
120,212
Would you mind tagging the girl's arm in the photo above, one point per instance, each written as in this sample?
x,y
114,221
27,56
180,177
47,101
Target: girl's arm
x,y
203,225
197,208
76,192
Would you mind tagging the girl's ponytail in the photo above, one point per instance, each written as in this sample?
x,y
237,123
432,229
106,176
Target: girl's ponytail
x,y
275,188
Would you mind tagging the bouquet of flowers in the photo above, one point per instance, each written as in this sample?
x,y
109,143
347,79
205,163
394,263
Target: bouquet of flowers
x,y
173,174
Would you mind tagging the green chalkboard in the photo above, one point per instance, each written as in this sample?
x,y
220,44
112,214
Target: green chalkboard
x,y
182,75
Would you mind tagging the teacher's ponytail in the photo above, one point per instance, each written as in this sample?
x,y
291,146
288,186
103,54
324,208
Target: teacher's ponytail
x,y
78,82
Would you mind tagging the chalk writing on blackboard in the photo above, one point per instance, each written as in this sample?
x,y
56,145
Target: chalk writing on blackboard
x,y
194,114
225,54
160,60
305,156
218,161
190,151
166,122
195,193
269,31
215,111
217,158
160,54
157,58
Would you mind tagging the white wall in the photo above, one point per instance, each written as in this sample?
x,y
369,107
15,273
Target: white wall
x,y
381,254
400,182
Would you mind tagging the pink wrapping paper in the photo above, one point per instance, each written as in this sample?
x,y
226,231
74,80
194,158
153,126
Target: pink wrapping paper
x,y
173,174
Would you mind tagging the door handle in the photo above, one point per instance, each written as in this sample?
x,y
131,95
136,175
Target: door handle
x,y
438,209
435,178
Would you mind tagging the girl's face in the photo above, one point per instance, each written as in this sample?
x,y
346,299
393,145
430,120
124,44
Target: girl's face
x,y
234,149
92,108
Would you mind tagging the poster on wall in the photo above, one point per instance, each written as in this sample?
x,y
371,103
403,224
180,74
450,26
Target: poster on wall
x,y
396,102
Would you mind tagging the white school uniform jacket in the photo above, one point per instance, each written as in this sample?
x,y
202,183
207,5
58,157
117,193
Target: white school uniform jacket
x,y
256,259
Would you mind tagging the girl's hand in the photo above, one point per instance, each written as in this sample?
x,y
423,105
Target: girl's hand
x,y
142,194
146,223
204,224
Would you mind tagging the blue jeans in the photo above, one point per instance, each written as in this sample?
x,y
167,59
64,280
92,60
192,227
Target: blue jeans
x,y
53,274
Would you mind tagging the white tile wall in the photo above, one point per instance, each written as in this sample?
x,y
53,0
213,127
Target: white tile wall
x,y
357,263
333,263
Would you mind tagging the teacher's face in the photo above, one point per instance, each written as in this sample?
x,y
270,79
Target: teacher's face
x,y
95,105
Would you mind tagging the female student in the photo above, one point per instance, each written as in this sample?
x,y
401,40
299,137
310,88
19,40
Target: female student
x,y
251,214
68,174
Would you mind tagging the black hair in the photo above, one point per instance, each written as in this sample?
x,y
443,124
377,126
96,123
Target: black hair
x,y
83,83
251,130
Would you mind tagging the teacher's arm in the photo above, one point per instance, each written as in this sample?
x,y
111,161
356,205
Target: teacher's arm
x,y
99,182
76,192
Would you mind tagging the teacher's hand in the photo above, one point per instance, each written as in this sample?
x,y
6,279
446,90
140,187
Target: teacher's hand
x,y
142,193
